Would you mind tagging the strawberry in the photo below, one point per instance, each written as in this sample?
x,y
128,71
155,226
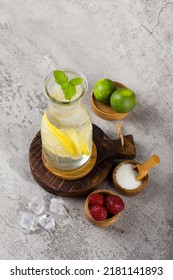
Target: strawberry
x,y
98,212
114,204
96,198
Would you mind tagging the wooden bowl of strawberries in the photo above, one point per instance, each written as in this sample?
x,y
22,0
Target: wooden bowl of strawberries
x,y
103,207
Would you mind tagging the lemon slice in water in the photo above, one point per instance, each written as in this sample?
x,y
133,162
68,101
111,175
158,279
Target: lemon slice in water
x,y
68,138
85,149
65,141
72,135
52,145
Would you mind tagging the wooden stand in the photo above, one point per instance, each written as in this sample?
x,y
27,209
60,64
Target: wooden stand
x,y
107,152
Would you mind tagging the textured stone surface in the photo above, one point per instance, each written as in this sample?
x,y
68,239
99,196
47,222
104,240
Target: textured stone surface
x,y
127,41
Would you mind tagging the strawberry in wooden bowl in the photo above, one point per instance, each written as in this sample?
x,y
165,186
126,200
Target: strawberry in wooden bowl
x,y
103,207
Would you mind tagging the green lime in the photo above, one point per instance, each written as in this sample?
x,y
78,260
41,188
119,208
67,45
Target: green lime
x,y
103,90
123,100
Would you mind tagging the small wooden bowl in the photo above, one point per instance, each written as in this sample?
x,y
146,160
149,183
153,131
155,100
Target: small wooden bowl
x,y
106,223
123,190
105,111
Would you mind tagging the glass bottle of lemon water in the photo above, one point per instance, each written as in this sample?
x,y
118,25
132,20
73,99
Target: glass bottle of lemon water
x,y
66,129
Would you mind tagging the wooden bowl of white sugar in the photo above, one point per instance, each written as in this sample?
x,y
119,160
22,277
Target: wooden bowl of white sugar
x,y
124,178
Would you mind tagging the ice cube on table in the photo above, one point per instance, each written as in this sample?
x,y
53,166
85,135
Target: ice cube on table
x,y
56,206
47,221
27,221
37,205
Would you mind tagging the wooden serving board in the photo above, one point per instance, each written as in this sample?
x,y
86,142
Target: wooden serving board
x,y
107,151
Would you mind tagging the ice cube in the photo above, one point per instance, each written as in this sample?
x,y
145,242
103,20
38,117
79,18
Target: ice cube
x,y
37,205
46,221
27,221
56,206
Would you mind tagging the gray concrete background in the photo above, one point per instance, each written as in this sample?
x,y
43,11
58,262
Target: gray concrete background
x,y
127,41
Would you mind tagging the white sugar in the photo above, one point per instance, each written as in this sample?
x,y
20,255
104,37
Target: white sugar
x,y
125,177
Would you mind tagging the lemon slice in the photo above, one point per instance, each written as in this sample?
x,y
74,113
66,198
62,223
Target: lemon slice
x,y
65,141
69,139
85,149
71,133
53,146
81,146
85,139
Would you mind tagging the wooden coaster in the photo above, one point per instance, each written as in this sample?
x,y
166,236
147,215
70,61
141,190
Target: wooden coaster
x,y
105,111
76,173
107,151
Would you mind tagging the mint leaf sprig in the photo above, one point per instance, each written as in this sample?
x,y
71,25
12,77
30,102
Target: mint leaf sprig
x,y
68,86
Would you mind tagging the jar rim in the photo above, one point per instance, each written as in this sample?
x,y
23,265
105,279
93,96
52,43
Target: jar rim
x,y
69,102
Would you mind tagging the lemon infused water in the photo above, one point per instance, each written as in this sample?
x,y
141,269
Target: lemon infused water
x,y
66,129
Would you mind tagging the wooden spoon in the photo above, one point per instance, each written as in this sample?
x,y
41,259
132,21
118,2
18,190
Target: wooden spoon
x,y
144,167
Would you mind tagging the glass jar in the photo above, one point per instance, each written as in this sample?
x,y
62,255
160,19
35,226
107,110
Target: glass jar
x,y
66,129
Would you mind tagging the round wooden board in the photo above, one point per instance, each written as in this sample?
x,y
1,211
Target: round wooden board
x,y
63,187
105,111
76,173
107,151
